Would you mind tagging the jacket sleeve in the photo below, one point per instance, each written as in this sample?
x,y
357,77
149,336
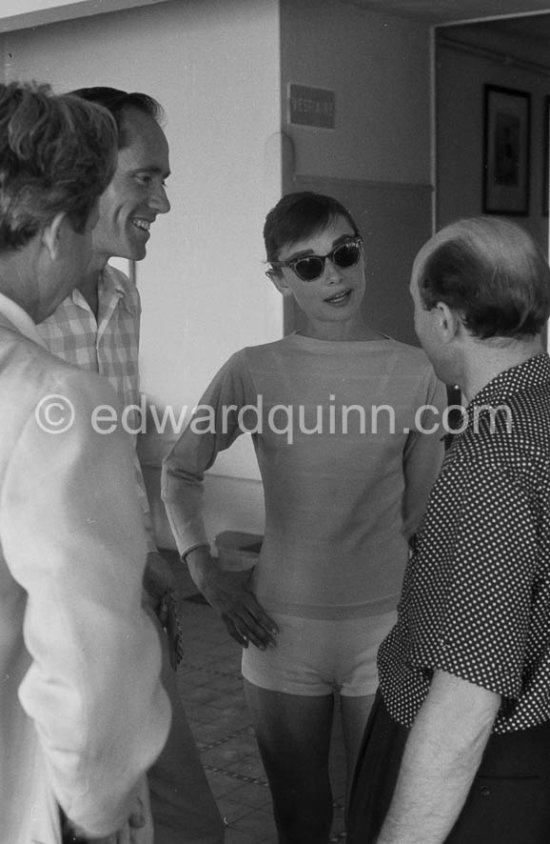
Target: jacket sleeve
x,y
220,417
72,537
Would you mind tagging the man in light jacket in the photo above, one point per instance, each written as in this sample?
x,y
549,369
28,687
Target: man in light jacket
x,y
82,712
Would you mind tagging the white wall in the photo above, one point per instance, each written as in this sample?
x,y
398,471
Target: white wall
x,y
220,68
214,65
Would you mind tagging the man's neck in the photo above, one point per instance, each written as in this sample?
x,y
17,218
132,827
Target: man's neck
x,y
491,358
89,289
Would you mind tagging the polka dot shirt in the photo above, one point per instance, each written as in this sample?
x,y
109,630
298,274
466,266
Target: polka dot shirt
x,y
476,595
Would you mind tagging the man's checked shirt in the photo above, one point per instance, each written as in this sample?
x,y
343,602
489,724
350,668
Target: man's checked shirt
x,y
109,346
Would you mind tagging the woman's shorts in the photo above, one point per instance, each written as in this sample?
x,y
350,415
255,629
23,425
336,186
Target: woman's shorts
x,y
316,657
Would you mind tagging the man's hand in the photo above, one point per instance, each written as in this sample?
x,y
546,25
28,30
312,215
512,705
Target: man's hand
x,y
158,578
127,835
229,593
160,598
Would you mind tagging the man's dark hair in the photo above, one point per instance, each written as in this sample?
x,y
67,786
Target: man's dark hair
x,y
492,272
118,102
298,216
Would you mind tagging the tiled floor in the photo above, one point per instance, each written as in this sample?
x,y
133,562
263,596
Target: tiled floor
x,y
210,685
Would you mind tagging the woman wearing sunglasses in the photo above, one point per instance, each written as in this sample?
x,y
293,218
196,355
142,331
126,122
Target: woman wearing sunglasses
x,y
335,411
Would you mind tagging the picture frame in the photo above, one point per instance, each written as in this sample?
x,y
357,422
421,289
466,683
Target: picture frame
x,y
545,154
506,151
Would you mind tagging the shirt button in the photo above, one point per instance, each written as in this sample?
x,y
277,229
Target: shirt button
x,y
485,791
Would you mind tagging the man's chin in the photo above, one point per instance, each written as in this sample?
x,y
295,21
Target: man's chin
x,y
138,253
132,252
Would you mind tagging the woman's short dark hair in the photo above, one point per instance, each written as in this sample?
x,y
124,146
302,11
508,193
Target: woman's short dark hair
x,y
57,154
298,216
492,272
118,102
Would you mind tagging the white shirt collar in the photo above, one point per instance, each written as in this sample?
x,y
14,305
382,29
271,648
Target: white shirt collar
x,y
20,319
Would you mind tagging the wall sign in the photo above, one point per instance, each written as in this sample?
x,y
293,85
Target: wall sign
x,y
311,106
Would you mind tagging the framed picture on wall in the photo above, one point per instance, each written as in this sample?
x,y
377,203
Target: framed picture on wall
x,y
545,156
506,153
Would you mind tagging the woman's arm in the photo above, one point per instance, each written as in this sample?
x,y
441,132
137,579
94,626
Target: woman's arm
x,y
214,427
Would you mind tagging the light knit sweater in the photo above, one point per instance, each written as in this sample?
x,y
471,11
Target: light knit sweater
x,y
345,488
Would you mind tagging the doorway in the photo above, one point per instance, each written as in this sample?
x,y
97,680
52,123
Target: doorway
x,y
479,68
473,64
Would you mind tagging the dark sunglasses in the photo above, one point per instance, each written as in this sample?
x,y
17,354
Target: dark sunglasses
x,y
312,267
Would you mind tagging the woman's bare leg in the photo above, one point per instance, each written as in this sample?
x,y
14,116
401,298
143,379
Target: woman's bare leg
x,y
293,734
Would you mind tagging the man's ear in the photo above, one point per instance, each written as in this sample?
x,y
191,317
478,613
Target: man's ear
x,y
449,322
52,234
278,279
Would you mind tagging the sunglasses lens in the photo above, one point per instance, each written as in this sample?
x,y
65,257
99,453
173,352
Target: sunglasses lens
x,y
346,255
312,267
308,269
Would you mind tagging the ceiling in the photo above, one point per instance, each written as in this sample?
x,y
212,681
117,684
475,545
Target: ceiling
x,y
453,11
19,14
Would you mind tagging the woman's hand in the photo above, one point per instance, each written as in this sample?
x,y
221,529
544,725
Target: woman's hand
x,y
229,593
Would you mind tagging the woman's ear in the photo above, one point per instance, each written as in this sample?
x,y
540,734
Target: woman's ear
x,y
52,235
278,279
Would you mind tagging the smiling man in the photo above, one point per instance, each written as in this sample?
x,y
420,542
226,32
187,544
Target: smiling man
x,y
97,328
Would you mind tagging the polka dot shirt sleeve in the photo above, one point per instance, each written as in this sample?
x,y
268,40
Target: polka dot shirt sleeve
x,y
481,592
